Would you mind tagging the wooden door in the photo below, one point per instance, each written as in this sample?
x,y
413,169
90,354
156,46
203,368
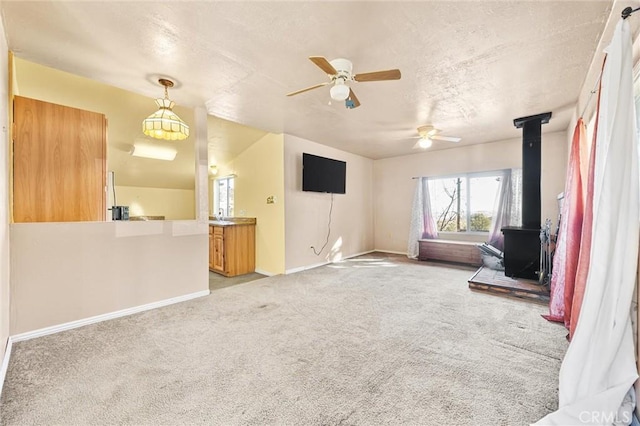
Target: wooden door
x,y
218,249
59,163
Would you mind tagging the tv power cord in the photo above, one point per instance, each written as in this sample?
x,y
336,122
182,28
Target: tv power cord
x,y
328,231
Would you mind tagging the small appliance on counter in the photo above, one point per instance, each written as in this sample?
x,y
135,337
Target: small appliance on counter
x,y
119,212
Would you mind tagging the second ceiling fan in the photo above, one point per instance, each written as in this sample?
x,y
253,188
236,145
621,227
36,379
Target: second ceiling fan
x,y
428,134
340,74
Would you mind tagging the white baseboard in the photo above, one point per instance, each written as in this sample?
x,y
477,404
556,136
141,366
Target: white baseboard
x,y
104,317
404,253
263,272
5,362
316,265
304,268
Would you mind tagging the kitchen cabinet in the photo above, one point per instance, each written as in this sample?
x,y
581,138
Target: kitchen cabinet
x,y
211,261
59,163
232,248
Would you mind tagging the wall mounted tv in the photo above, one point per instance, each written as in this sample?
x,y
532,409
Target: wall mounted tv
x,y
320,174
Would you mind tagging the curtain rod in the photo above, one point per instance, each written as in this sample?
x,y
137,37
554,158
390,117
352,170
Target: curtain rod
x,y
627,11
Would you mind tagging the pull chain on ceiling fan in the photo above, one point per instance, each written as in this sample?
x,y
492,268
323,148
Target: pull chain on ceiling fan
x,y
340,73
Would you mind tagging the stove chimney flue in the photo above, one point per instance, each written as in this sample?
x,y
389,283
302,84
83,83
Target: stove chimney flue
x,y
531,167
522,243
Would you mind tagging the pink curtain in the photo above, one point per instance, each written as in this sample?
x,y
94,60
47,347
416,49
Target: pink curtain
x,y
584,257
568,243
574,218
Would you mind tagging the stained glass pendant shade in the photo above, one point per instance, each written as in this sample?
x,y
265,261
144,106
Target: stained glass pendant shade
x,y
164,123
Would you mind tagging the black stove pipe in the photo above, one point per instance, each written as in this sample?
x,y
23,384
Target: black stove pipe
x,y
531,167
522,243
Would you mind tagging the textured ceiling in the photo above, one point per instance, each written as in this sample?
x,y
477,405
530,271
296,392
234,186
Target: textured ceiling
x,y
469,68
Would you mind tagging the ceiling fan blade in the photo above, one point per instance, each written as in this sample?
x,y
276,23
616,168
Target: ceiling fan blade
x,y
308,88
323,64
446,138
378,75
352,101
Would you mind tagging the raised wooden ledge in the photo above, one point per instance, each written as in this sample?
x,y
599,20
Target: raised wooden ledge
x,y
465,252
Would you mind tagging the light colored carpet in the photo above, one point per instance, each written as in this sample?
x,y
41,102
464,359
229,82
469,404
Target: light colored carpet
x,y
374,340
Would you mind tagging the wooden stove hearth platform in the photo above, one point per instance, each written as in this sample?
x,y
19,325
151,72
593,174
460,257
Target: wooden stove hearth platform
x,y
491,281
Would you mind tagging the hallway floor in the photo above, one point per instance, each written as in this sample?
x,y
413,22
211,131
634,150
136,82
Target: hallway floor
x,y
217,281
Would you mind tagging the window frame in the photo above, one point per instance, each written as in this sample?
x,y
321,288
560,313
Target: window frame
x,y
216,195
467,176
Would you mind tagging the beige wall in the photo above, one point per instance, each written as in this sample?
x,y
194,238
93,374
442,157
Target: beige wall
x,y
4,196
307,213
394,186
554,174
173,204
62,272
259,174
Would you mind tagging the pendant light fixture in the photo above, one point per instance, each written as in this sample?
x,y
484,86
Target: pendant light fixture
x,y
164,123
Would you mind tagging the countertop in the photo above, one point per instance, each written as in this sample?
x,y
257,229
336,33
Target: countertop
x,y
146,217
232,221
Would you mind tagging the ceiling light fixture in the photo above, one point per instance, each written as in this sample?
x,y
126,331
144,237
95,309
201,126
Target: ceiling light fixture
x,y
425,143
340,91
155,152
164,123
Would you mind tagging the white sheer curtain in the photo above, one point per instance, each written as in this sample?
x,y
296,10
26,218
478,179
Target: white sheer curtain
x,y
423,225
599,367
508,206
515,219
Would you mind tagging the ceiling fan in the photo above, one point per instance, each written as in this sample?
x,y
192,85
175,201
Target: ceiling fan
x,y
340,73
428,134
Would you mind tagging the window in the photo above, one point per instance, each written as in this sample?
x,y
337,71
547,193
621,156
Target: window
x,y
224,196
464,203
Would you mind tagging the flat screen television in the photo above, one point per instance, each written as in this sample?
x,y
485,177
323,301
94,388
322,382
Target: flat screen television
x,y
320,174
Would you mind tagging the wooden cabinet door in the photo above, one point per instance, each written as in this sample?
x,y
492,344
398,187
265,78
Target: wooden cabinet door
x,y
218,249
59,163
240,245
211,248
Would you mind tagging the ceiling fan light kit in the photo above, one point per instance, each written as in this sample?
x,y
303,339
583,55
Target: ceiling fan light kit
x,y
340,91
164,123
425,143
340,73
